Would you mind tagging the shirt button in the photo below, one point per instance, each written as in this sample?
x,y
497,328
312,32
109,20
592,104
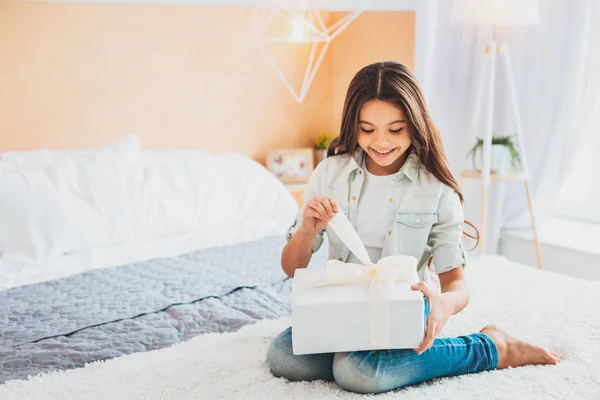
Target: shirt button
x,y
418,221
360,172
391,200
353,197
390,233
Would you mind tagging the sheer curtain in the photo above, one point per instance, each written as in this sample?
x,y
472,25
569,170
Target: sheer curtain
x,y
579,197
557,72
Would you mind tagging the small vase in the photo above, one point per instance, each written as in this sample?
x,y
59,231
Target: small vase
x,y
500,160
320,155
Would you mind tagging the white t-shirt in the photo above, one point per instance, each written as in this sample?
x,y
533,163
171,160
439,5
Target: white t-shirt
x,y
372,217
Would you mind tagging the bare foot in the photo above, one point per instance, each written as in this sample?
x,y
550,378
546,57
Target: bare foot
x,y
513,352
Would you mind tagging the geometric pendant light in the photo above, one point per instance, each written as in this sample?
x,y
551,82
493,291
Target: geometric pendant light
x,y
298,26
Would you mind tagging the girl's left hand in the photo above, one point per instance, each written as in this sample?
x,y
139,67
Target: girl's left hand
x,y
439,312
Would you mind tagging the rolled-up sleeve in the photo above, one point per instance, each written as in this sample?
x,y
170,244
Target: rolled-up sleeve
x,y
313,188
445,238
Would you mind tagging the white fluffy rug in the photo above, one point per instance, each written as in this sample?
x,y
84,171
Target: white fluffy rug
x,y
554,310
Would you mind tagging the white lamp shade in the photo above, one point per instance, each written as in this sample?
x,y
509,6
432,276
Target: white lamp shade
x,y
496,12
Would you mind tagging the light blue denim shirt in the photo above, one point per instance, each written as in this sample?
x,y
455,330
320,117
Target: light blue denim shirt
x,y
426,216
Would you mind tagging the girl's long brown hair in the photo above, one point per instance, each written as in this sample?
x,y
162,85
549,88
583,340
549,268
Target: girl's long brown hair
x,y
392,82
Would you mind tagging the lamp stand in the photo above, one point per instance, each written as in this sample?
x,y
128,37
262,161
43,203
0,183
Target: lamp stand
x,y
485,80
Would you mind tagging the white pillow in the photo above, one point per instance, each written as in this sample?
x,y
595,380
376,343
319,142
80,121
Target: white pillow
x,y
241,193
39,219
162,200
58,202
179,191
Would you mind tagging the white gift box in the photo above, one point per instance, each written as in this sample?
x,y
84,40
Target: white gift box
x,y
352,307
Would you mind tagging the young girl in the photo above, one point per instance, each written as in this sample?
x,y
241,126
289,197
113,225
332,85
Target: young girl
x,y
387,172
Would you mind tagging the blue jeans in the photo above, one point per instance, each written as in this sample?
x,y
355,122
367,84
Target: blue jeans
x,y
383,370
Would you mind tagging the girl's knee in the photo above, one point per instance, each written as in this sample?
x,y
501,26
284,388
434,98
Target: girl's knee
x,y
361,372
279,353
352,373
284,363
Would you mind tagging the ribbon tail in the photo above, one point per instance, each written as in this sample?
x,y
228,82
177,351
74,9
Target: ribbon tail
x,y
380,324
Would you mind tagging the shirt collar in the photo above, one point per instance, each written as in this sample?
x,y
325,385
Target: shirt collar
x,y
409,169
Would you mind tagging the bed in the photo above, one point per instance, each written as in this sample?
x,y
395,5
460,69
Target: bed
x,y
115,250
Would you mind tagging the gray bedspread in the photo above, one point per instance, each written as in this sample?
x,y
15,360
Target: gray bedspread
x,y
110,312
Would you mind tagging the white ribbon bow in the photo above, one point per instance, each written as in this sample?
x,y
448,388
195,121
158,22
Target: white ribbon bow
x,y
387,270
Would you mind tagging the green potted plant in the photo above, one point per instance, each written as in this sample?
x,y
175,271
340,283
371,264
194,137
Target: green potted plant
x,y
321,144
504,154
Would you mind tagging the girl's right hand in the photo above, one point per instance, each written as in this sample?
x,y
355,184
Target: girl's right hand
x,y
317,214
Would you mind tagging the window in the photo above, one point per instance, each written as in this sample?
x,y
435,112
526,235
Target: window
x,y
579,198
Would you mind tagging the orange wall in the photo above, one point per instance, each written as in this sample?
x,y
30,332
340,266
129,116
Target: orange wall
x,y
374,36
79,75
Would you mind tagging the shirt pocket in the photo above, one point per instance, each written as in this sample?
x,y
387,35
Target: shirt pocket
x,y
413,230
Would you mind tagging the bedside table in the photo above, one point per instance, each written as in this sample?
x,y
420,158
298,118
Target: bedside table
x,y
509,176
296,189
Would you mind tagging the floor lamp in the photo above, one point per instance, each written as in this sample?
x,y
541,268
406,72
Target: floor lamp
x,y
495,13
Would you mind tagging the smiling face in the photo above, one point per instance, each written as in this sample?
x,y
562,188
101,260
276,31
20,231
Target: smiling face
x,y
383,135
